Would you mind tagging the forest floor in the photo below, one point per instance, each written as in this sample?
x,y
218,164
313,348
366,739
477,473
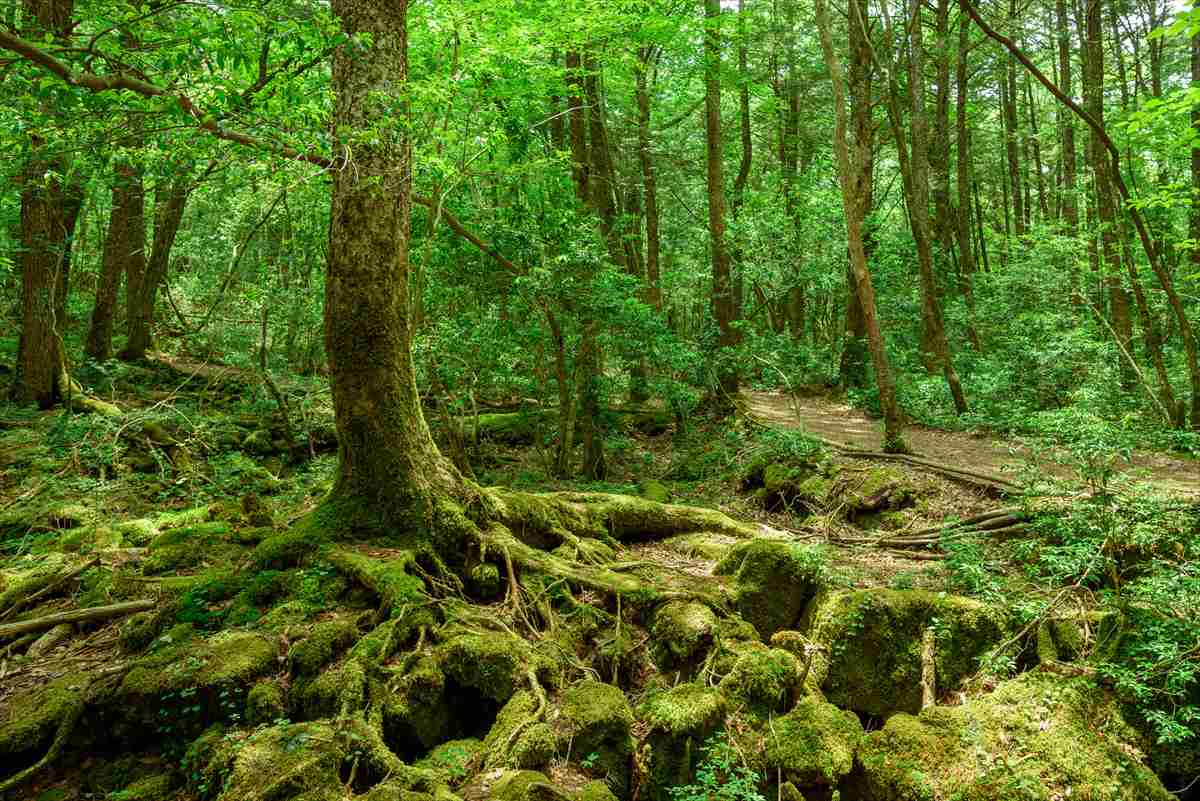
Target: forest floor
x,y
838,422
814,618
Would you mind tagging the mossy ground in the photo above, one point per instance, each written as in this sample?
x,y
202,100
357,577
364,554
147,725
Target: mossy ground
x,y
588,654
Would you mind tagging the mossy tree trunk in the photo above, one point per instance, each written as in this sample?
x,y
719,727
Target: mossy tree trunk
x,y
390,472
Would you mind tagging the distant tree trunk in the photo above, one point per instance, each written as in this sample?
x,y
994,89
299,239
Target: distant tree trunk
x,y
649,181
50,205
943,213
578,126
722,286
917,194
143,277
1008,101
852,371
126,241
1069,202
849,170
747,156
1194,215
1093,93
966,253
1036,148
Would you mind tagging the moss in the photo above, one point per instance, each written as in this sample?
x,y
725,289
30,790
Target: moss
x,y
763,680
813,745
493,663
655,491
265,703
597,719
513,715
486,582
774,580
682,631
233,658
324,641
680,720
151,788
451,760
296,761
521,785
32,718
535,747
870,658
197,534
401,592
291,548
595,791
340,687
182,517
1038,737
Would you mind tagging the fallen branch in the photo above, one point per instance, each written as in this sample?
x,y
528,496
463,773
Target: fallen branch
x,y
75,616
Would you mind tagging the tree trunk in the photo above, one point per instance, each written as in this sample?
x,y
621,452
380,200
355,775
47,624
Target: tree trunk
x,y
852,371
722,286
1008,100
966,253
649,180
918,211
390,473
849,170
144,277
49,210
125,242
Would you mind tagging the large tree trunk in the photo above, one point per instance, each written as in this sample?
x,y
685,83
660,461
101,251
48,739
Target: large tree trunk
x,y
50,206
390,472
722,286
849,168
125,242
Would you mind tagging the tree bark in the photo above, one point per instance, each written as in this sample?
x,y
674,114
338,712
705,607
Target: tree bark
x,y
390,473
143,277
125,242
849,168
722,286
649,180
852,371
966,253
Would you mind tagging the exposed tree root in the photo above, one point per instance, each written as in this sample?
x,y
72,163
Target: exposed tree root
x,y
66,726
75,616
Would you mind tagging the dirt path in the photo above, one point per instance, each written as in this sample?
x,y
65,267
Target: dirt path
x,y
844,424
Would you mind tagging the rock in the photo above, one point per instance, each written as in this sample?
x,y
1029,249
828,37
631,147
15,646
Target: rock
x,y
870,658
763,680
813,745
774,581
324,641
264,703
596,719
535,747
680,720
1039,737
682,633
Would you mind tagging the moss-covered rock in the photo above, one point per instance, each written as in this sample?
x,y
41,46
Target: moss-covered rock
x,y
450,760
596,719
679,721
30,722
522,785
151,788
682,632
493,663
813,745
774,581
535,747
1038,737
595,791
512,719
870,644
265,703
762,680
324,641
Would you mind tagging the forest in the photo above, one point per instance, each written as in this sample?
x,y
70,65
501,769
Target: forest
x,y
599,400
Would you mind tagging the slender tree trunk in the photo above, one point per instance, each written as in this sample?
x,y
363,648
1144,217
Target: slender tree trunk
x,y
722,286
1036,148
126,241
849,168
916,183
649,181
1008,100
943,212
853,368
142,295
966,253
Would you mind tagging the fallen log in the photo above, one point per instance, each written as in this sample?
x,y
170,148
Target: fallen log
x,y
87,615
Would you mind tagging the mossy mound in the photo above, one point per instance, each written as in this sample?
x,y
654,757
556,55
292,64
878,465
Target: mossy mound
x,y
813,745
774,581
818,486
1036,738
870,645
596,720
493,663
762,680
682,632
679,720
31,721
324,641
